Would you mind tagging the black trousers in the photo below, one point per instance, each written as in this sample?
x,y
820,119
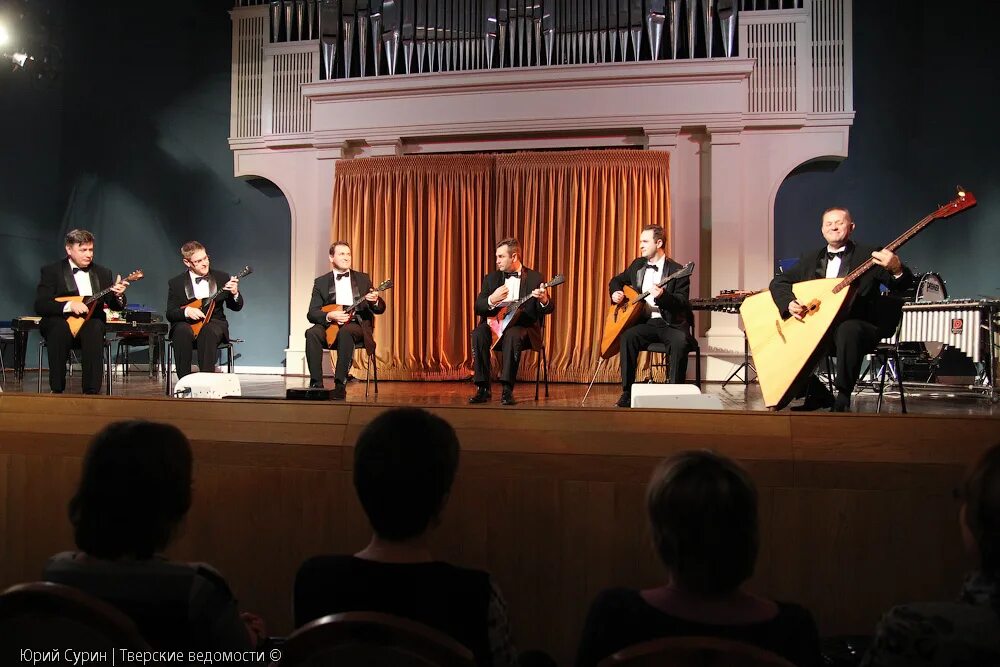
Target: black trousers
x,y
636,338
514,338
207,343
349,335
59,341
852,341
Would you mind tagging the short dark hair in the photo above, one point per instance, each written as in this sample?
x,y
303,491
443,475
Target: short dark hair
x,y
134,490
333,246
190,248
981,494
512,246
703,516
78,236
658,234
847,213
404,464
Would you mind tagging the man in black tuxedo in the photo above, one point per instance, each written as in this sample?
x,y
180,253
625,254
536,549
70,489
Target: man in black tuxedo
x,y
866,319
667,316
510,282
76,275
199,282
344,287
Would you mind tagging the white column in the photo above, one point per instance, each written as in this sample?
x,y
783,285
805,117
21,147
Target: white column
x,y
723,222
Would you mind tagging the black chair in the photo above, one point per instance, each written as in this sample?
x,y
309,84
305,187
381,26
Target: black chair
x,y
536,343
225,345
6,338
361,639
128,340
108,368
371,368
44,616
886,359
664,357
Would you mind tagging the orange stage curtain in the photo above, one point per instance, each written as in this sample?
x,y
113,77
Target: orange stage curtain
x,y
431,223
426,223
580,213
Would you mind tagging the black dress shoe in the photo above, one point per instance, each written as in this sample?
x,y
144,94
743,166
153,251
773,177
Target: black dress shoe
x,y
625,400
507,397
482,395
315,384
339,392
842,403
819,397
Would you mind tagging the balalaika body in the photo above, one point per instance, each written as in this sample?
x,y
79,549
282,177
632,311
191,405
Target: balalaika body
x,y
509,312
207,305
75,322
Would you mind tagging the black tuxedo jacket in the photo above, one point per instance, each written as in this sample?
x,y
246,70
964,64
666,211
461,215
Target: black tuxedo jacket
x,y
180,292
674,303
868,303
57,280
324,293
531,313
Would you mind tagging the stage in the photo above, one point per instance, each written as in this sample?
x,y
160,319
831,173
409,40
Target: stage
x,y
856,509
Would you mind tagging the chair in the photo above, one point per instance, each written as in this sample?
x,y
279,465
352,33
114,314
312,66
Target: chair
x,y
45,616
694,652
107,364
664,358
371,368
127,340
6,338
227,345
886,358
361,639
536,343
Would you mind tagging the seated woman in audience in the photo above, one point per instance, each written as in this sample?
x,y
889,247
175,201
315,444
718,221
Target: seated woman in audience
x,y
966,632
134,492
703,519
404,465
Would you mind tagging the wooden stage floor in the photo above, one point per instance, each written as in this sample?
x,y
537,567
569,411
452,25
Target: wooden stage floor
x,y
734,396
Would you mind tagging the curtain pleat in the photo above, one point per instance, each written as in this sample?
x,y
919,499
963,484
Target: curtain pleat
x,y
430,223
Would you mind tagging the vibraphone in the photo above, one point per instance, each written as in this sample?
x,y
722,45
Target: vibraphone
x,y
968,325
729,301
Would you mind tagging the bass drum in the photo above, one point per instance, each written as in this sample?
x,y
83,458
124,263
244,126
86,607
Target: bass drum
x,y
930,289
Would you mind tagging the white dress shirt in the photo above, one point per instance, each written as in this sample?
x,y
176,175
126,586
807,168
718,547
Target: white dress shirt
x,y
650,278
345,293
833,265
202,290
83,285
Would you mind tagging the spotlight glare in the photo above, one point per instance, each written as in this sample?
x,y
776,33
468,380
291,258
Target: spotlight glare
x,y
4,35
19,59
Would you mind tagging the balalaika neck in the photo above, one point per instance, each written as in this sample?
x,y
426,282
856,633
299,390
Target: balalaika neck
x,y
870,262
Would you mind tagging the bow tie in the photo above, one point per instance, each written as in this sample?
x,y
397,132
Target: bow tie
x,y
77,269
831,255
343,275
200,279
512,275
653,266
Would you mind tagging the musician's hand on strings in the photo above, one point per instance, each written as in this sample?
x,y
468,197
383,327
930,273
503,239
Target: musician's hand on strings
x,y
119,287
78,308
542,295
194,313
372,296
616,297
797,310
889,260
499,295
656,291
233,286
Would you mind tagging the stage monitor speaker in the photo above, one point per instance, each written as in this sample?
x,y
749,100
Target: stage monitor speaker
x,y
673,396
308,394
208,385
